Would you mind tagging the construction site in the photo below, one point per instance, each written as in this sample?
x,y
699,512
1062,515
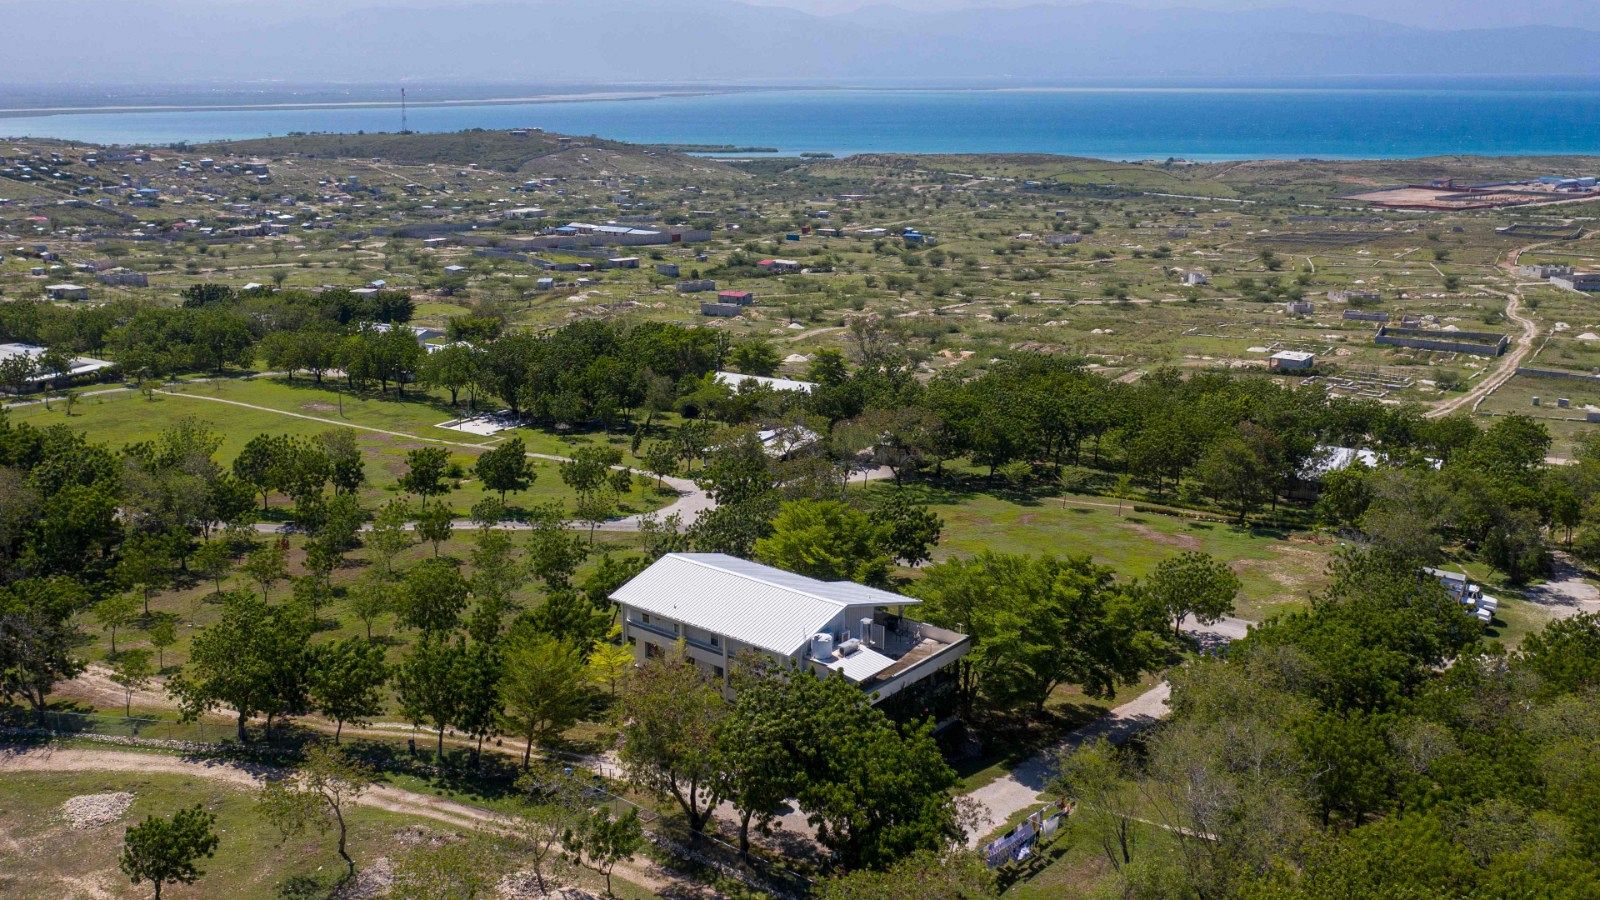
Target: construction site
x,y
1446,194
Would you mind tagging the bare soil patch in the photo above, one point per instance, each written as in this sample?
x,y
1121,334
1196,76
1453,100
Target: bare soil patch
x,y
1183,541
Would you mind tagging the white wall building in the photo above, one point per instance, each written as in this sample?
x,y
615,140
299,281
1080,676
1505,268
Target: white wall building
x,y
733,380
721,606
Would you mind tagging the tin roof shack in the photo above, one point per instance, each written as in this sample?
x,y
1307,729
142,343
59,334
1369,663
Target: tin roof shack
x,y
721,606
739,298
66,291
779,266
1291,361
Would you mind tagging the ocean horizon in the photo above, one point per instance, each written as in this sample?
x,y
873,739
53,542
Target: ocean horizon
x,y
1134,121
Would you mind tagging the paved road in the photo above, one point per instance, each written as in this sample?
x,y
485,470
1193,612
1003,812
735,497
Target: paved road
x,y
1020,788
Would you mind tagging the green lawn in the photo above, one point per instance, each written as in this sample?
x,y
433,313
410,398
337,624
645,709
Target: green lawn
x,y
1277,570
386,429
47,858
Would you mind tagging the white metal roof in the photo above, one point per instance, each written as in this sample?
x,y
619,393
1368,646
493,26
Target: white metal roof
x,y
747,602
861,665
80,365
734,379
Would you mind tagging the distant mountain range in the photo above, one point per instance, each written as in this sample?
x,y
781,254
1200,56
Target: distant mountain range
x,y
722,41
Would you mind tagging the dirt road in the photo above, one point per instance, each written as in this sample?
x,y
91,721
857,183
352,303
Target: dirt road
x,y
1020,788
1507,365
249,776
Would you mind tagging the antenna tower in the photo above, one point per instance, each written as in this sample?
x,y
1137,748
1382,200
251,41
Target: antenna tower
x,y
403,128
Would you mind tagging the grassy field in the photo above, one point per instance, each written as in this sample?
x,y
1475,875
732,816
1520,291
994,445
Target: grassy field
x,y
46,857
386,427
1277,570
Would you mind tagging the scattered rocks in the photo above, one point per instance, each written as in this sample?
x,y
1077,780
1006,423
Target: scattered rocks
x,y
376,879
422,836
94,810
524,886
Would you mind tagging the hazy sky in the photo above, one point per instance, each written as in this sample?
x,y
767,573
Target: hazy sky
x,y
1442,14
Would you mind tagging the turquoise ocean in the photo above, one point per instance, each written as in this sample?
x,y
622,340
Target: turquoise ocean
x,y
1330,122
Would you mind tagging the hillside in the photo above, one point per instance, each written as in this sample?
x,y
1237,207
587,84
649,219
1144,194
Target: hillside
x,y
526,153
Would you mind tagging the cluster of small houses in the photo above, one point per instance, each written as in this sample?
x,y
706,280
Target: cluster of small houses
x,y
1563,277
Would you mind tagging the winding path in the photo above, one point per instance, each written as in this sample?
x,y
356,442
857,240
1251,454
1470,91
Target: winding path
x,y
691,503
1507,364
1020,788
249,776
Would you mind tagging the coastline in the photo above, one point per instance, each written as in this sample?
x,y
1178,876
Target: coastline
x,y
1128,122
20,112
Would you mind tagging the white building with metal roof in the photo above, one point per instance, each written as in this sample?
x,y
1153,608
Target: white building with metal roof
x,y
734,380
720,607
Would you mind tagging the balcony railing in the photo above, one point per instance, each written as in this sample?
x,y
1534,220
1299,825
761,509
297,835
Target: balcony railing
x,y
673,635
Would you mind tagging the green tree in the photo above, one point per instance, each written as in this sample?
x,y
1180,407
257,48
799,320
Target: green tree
x,y
589,469
671,713
603,840
543,687
260,463
429,686
425,472
908,530
480,668
131,671
875,792
254,659
754,356
114,612
452,368
388,536
828,540
433,596
1193,583
168,851
266,565
660,459
162,632
1096,777
757,741
346,469
144,564
317,795
1565,654
554,553
38,640
347,681
1235,475
371,596
505,468
211,562
1038,622
435,524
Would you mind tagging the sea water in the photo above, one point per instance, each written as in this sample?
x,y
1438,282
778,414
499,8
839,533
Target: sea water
x,y
1218,123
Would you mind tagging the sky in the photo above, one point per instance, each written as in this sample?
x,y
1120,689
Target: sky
x,y
794,41
1438,14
